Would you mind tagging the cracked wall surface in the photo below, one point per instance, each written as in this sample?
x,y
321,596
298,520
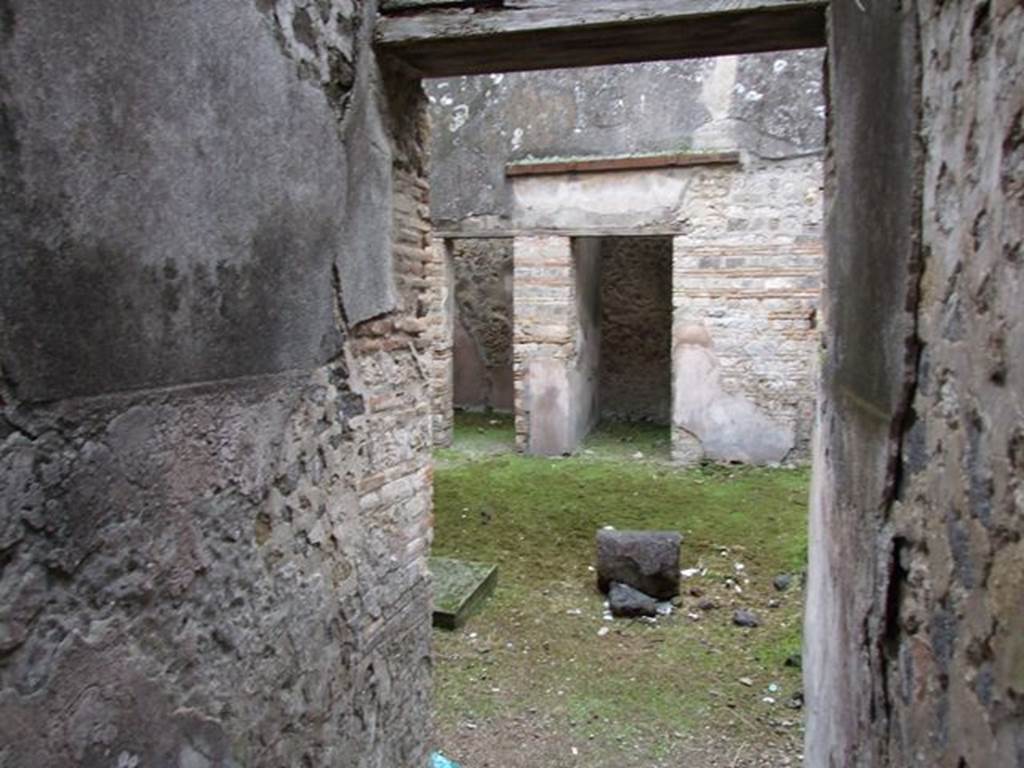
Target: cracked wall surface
x,y
768,104
913,651
747,268
214,479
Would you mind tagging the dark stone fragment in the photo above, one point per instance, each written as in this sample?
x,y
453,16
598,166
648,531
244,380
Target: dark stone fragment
x,y
707,604
626,602
743,618
782,582
645,560
794,660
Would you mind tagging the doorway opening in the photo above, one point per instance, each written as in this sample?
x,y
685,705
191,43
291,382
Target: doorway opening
x,y
662,276
635,381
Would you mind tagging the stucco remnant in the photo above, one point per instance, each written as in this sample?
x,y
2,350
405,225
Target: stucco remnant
x,y
728,427
913,640
214,484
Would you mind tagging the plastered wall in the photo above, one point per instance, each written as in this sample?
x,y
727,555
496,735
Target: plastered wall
x,y
913,653
214,406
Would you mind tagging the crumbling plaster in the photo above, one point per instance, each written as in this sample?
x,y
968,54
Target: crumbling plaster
x,y
767,104
913,654
214,478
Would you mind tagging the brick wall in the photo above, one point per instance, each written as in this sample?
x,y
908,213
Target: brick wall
x,y
544,292
438,308
748,269
213,541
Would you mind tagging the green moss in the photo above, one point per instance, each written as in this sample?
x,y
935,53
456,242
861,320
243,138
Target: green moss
x,y
537,646
479,434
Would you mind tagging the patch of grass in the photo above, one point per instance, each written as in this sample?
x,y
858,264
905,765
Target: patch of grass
x,y
615,440
477,435
536,648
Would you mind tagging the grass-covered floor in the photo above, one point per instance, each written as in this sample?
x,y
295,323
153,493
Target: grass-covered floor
x,y
534,681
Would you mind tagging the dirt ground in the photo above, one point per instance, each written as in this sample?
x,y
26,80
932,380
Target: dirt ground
x,y
540,678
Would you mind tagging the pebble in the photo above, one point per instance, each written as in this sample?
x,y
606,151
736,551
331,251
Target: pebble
x,y
743,618
782,582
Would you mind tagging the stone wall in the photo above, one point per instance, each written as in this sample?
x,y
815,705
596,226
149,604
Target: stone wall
x,y
747,252
438,309
770,105
748,269
215,496
914,652
556,342
584,376
636,329
483,317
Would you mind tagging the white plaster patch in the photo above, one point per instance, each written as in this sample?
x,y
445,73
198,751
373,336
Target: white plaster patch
x,y
460,116
716,90
631,198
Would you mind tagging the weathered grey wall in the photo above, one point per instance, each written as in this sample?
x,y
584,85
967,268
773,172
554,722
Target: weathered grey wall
x,y
768,104
747,255
482,356
214,505
584,375
913,646
556,342
636,328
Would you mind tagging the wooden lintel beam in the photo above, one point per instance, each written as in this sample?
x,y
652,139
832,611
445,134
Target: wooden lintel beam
x,y
624,163
398,6
471,37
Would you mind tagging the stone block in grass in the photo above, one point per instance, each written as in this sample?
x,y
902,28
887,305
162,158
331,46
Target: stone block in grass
x,y
460,589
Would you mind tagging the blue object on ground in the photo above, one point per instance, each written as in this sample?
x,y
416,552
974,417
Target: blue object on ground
x,y
440,761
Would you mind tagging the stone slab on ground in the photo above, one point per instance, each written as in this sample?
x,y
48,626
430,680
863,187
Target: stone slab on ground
x,y
460,588
645,560
626,602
